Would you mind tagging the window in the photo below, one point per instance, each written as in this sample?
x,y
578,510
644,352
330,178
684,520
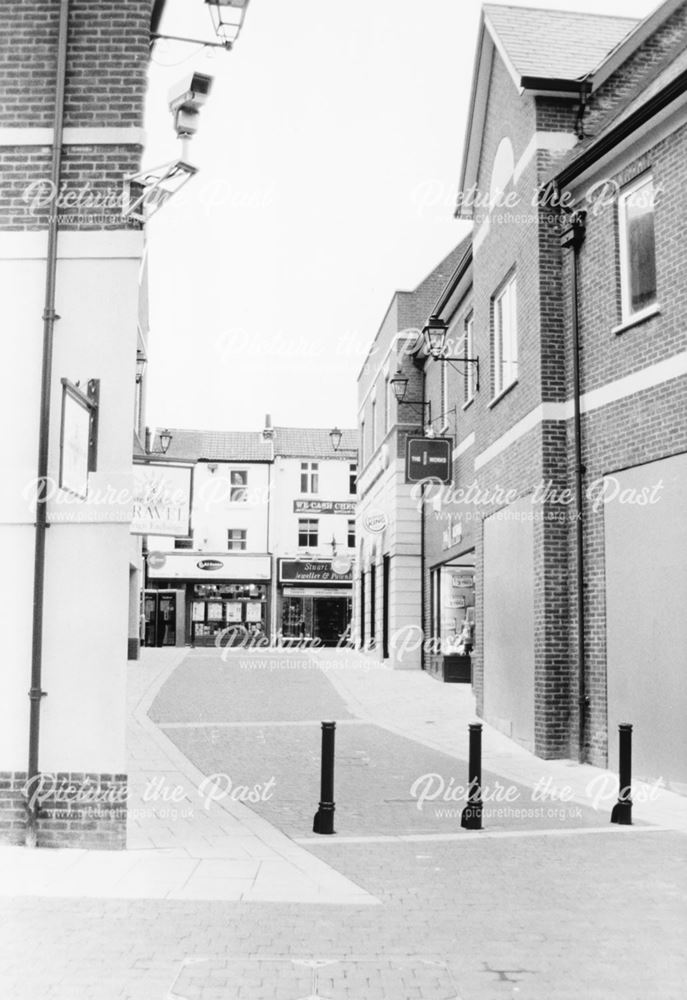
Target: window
x,y
352,478
238,492
310,477
470,370
444,391
373,422
388,405
505,337
637,247
183,543
351,534
307,532
236,539
362,442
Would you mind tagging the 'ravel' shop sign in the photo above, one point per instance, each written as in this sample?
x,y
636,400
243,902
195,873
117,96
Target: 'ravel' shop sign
x,y
310,571
324,507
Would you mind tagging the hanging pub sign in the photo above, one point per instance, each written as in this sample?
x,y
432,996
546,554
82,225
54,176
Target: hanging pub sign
x,y
161,500
429,458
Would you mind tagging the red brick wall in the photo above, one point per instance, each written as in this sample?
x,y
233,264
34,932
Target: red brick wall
x,y
106,82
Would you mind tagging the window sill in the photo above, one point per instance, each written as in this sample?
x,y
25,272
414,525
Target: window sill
x,y
637,318
468,403
504,392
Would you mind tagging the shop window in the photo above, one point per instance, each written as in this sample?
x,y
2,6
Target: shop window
x,y
351,534
637,247
236,539
310,477
505,337
352,478
238,486
307,532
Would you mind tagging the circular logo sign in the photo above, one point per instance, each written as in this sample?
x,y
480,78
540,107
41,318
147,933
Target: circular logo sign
x,y
156,560
375,522
341,565
210,564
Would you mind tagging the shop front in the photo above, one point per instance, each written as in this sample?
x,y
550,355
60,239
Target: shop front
x,y
315,601
452,619
226,596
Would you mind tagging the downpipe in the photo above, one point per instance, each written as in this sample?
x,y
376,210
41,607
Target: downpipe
x,y
573,238
36,694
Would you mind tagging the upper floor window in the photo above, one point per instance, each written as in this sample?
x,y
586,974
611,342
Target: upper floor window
x,y
363,450
307,532
373,422
505,337
637,247
310,477
352,478
470,371
351,534
236,539
388,405
238,485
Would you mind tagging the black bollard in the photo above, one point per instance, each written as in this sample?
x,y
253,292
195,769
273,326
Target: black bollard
x,y
622,810
471,818
324,817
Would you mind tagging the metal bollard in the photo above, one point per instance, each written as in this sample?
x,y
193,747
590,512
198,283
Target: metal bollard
x,y
471,818
324,817
622,810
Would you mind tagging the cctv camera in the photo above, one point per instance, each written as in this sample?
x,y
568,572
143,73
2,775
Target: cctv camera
x,y
190,92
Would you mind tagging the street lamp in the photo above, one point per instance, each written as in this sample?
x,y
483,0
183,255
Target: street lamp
x,y
435,333
335,436
164,438
399,384
227,19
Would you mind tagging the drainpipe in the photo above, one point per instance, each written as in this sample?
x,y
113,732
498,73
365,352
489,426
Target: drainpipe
x,y
49,316
423,588
573,238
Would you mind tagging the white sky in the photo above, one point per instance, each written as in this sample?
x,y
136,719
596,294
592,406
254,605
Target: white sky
x,y
329,153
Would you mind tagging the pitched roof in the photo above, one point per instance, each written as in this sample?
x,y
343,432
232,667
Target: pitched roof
x,y
312,442
554,44
218,446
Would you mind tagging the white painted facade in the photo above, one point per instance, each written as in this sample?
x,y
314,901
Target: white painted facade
x,y
89,550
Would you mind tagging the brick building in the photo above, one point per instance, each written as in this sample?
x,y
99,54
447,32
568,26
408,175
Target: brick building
x,y
268,548
388,576
556,557
572,296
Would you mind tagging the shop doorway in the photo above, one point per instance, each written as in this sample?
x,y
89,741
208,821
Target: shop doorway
x,y
331,619
160,616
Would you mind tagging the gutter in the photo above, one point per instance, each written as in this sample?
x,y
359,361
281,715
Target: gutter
x,y
609,140
49,316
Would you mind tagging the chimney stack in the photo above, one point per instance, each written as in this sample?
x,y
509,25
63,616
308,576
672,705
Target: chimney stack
x,y
268,430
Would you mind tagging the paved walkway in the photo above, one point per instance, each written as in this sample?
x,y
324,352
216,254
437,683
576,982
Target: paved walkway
x,y
555,914
187,838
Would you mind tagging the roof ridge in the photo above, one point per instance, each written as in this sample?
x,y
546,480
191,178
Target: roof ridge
x,y
561,10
